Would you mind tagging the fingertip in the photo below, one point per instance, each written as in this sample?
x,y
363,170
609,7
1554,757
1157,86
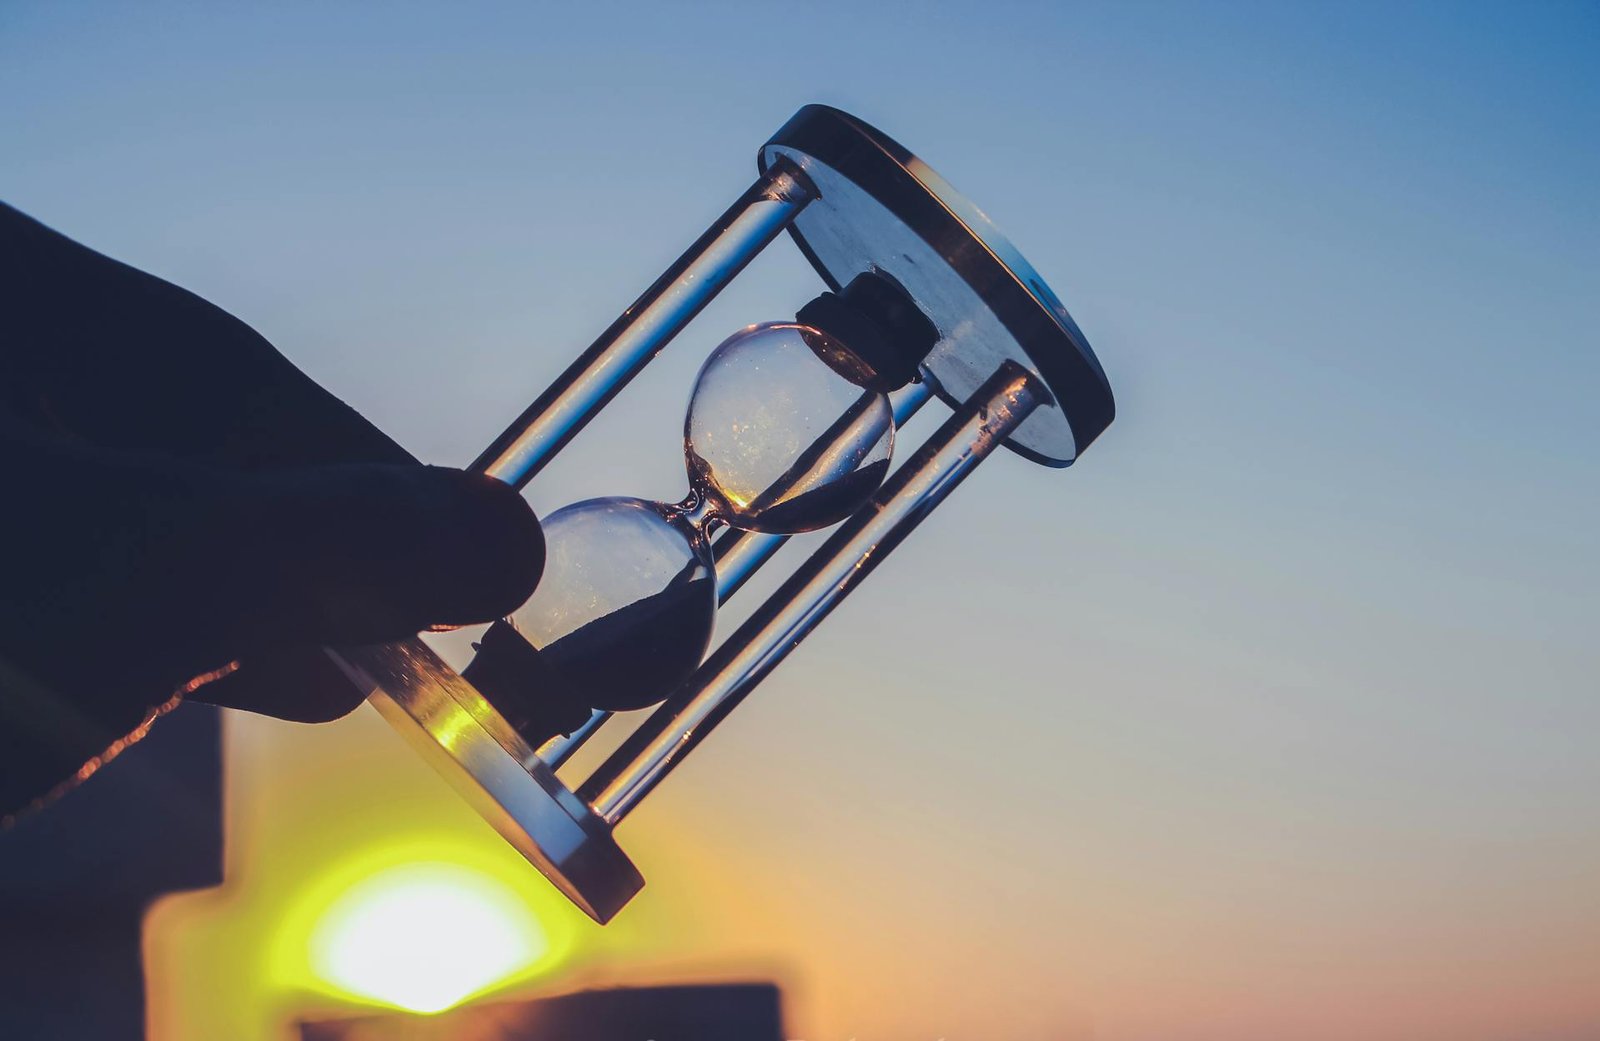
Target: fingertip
x,y
364,554
503,543
299,684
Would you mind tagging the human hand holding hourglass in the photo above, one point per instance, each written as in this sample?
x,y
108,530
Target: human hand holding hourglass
x,y
790,428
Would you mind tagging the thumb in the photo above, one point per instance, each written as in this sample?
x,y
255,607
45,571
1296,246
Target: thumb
x,y
368,553
129,575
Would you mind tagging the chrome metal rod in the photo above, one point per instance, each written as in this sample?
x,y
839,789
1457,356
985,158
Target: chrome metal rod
x,y
643,329
559,749
827,576
739,555
909,399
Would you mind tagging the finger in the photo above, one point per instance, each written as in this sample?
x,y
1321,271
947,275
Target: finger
x,y
122,358
361,554
296,683
127,576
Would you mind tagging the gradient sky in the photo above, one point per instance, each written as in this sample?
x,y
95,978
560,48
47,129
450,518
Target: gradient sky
x,y
1275,716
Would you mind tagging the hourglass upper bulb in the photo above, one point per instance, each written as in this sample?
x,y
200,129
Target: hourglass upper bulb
x,y
790,428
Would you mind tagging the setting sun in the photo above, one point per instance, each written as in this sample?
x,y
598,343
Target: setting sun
x,y
424,937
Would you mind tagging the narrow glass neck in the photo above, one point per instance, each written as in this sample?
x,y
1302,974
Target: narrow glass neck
x,y
700,513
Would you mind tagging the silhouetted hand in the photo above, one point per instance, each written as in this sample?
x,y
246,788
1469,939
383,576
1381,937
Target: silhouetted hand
x,y
177,497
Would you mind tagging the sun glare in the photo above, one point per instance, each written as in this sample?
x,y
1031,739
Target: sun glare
x,y
425,937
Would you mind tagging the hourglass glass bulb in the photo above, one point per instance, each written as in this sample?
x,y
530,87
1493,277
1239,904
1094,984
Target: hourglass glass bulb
x,y
623,613
777,438
790,428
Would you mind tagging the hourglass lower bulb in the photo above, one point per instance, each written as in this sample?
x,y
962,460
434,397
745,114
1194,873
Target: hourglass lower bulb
x,y
789,429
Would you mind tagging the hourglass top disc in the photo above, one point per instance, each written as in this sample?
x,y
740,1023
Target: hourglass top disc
x,y
881,208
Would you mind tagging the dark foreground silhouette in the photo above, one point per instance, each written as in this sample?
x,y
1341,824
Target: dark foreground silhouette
x,y
181,502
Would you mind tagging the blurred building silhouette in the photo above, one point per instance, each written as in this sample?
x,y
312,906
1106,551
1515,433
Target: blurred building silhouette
x,y
723,1012
76,878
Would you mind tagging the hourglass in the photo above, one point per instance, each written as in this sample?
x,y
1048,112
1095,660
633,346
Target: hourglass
x,y
790,428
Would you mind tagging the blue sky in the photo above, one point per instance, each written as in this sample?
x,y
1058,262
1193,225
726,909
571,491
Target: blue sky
x,y
1293,658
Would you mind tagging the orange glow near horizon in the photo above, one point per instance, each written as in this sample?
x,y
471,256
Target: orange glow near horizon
x,y
355,879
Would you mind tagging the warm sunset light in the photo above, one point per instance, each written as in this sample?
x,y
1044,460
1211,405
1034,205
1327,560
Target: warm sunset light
x,y
338,898
424,937
682,581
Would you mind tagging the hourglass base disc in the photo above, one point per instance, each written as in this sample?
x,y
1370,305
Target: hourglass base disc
x,y
880,208
462,737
